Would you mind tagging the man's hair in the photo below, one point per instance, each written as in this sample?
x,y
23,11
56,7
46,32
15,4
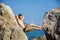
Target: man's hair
x,y
19,15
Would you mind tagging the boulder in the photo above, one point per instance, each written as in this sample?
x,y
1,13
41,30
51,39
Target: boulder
x,y
9,28
40,38
51,24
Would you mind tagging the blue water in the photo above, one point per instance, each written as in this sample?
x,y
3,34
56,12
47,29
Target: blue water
x,y
35,34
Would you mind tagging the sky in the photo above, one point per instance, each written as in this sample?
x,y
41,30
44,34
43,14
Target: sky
x,y
33,10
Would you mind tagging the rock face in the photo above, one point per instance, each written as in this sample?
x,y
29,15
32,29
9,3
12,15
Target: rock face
x,y
9,28
40,38
52,24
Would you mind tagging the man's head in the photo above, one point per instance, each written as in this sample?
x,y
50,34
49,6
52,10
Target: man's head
x,y
21,16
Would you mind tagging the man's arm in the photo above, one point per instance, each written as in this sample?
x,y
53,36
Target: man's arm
x,y
20,22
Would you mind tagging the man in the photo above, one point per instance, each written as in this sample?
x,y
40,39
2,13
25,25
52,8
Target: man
x,y
20,18
36,33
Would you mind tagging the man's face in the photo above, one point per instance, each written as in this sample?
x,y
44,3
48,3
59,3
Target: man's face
x,y
21,17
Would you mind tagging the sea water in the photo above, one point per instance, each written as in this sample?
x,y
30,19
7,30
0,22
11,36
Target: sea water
x,y
35,34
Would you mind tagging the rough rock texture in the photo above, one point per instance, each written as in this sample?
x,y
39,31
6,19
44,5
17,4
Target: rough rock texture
x,y
52,24
9,28
40,38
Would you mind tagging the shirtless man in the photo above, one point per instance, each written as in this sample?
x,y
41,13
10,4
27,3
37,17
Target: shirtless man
x,y
20,18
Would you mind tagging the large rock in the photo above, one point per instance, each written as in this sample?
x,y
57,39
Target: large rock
x,y
52,24
40,38
9,28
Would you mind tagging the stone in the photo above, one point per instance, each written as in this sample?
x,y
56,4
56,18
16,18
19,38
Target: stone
x,y
40,38
9,28
51,24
